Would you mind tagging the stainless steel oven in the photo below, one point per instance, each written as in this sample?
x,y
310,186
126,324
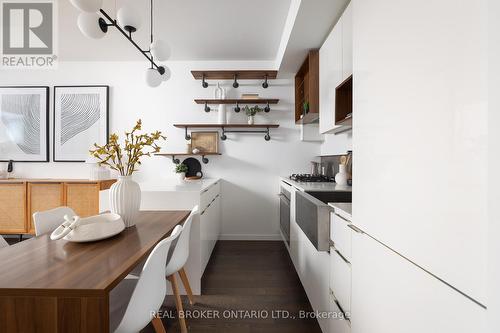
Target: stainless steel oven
x,y
285,195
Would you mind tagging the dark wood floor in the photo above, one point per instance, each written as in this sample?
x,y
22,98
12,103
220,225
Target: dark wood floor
x,y
243,276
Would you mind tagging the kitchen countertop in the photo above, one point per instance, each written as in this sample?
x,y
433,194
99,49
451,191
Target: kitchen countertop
x,y
175,186
342,209
317,187
51,180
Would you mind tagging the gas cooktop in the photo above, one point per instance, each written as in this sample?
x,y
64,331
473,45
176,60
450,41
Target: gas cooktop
x,y
308,178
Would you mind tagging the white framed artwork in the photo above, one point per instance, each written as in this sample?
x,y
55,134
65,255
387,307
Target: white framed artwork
x,y
24,124
81,116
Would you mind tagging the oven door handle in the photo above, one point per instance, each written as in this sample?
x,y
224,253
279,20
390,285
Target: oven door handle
x,y
284,197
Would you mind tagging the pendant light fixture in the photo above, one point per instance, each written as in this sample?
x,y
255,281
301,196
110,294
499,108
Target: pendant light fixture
x,y
94,22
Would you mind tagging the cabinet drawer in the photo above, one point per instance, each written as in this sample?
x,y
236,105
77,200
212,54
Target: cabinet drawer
x,y
341,235
13,208
338,321
340,279
208,195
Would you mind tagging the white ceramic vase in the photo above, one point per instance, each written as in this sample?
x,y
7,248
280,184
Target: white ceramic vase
x,y
341,176
125,199
220,93
251,120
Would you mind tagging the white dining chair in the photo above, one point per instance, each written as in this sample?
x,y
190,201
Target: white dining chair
x,y
3,242
49,220
147,295
176,262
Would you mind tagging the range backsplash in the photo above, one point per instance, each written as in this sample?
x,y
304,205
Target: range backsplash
x,y
331,162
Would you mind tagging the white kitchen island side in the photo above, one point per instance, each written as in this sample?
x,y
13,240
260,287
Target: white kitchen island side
x,y
205,230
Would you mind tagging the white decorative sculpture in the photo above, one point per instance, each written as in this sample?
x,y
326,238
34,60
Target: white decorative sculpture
x,y
89,229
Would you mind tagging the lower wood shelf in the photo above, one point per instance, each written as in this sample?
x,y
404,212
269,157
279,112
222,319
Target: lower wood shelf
x,y
232,128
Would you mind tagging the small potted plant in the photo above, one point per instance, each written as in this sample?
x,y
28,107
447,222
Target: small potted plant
x,y
180,170
125,158
305,107
251,112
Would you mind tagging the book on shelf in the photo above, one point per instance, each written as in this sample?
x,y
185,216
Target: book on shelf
x,y
249,96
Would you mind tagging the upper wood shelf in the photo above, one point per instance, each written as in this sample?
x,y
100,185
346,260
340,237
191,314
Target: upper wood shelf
x,y
238,101
240,74
226,126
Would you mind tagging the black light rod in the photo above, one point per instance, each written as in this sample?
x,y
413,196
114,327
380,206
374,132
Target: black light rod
x,y
129,38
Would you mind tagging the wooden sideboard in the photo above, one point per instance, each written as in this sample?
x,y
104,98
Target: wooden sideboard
x,y
20,198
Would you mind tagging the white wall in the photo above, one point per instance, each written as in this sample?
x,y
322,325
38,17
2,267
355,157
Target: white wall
x,y
337,144
249,165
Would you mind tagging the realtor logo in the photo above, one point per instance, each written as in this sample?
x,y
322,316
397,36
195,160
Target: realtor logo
x,y
28,34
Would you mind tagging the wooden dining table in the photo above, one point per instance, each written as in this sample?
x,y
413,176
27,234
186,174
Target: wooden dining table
x,y
59,286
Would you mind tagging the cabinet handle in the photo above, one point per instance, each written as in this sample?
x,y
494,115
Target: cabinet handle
x,y
339,306
342,218
356,229
341,310
342,257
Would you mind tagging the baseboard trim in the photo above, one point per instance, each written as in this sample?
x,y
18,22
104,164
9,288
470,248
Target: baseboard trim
x,y
276,237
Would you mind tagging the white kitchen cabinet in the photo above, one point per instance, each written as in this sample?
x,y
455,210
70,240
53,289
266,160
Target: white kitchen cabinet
x,y
347,42
341,234
338,322
421,143
335,66
210,229
312,267
340,279
390,294
206,227
330,76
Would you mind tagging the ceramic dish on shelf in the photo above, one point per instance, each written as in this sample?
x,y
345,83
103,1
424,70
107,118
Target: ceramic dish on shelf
x,y
192,178
89,229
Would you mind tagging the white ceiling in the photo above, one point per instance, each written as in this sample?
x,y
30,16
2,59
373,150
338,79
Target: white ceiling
x,y
312,25
195,29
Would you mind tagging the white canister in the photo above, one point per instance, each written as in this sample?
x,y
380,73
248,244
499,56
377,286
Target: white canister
x,y
222,118
125,199
341,176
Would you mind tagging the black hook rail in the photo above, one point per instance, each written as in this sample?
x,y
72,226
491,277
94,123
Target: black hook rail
x,y
231,128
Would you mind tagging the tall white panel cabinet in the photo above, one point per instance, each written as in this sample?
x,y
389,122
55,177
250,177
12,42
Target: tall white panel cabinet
x,y
330,75
347,42
335,65
420,149
393,295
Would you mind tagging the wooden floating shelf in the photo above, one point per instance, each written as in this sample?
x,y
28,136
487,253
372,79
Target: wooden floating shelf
x,y
226,126
240,74
237,101
177,161
233,128
186,154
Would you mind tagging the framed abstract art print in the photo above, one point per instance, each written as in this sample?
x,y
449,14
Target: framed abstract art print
x,y
81,115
